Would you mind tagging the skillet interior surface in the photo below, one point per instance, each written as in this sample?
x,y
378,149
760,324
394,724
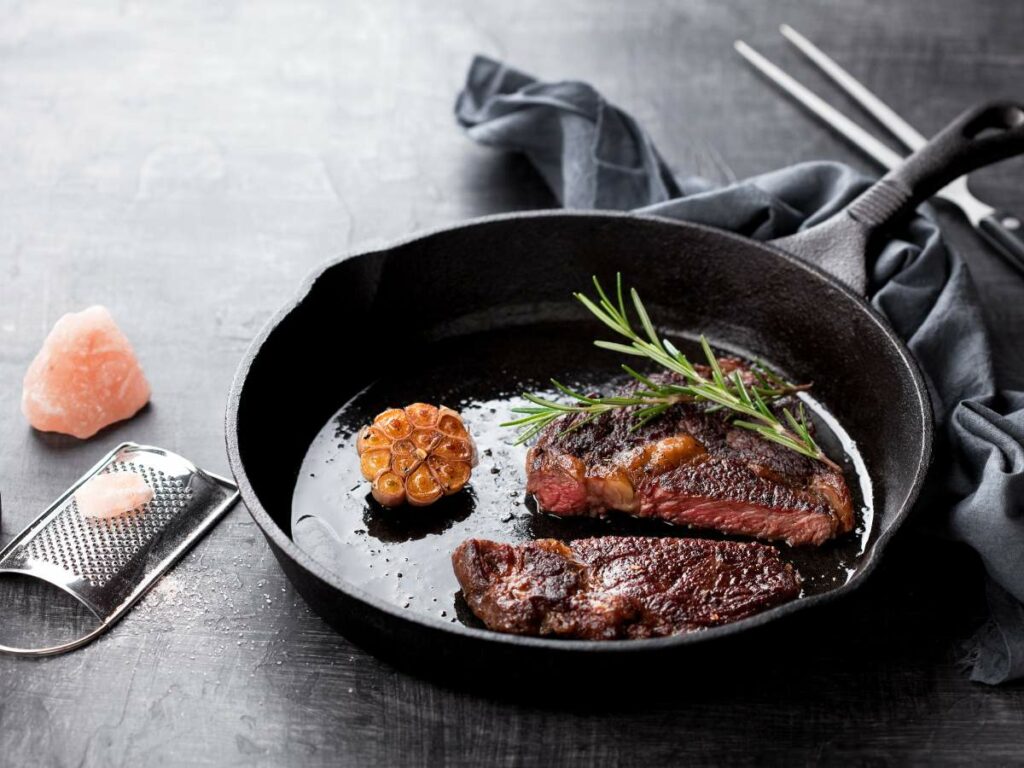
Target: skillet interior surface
x,y
402,555
473,314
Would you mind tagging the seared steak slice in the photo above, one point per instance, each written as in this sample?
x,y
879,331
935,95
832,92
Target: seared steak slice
x,y
689,467
619,586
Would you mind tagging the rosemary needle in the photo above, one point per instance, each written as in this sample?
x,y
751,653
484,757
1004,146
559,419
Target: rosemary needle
x,y
748,401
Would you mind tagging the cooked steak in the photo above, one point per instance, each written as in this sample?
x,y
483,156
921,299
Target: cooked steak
x,y
619,586
690,466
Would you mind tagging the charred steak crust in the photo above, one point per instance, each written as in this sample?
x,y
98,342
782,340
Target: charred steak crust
x,y
689,467
619,587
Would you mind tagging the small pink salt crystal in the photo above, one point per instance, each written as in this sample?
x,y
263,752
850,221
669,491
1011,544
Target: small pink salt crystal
x,y
112,495
85,377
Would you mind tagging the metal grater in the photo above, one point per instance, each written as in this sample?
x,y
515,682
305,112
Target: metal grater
x,y
109,564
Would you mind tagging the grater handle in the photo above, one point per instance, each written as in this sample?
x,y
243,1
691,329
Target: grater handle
x,y
53,650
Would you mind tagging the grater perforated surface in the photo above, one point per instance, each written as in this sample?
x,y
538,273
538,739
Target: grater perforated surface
x,y
96,549
109,563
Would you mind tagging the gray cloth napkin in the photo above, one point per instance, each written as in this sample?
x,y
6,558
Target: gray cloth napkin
x,y
594,155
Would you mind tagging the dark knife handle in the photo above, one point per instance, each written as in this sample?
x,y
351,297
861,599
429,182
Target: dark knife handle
x,y
1006,232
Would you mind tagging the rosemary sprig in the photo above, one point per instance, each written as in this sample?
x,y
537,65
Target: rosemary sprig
x,y
747,401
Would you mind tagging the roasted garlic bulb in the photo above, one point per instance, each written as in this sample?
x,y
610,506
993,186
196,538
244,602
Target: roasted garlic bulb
x,y
416,454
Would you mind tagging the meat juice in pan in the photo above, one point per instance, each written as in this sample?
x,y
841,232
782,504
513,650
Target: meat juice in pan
x,y
403,556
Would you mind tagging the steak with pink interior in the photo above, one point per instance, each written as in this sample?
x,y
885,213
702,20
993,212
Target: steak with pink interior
x,y
618,587
690,467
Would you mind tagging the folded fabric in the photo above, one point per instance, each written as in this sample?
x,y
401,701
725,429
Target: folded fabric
x,y
594,155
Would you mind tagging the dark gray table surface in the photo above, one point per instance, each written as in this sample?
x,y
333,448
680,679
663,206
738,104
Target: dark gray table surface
x,y
186,164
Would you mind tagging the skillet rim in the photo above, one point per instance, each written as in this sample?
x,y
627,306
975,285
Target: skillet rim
x,y
277,536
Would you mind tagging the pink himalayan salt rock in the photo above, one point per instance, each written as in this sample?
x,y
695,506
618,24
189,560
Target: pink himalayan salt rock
x,y
112,495
85,377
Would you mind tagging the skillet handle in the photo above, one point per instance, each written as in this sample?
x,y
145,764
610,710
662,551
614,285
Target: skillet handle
x,y
979,137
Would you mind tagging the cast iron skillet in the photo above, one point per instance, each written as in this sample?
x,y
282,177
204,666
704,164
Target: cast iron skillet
x,y
518,271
